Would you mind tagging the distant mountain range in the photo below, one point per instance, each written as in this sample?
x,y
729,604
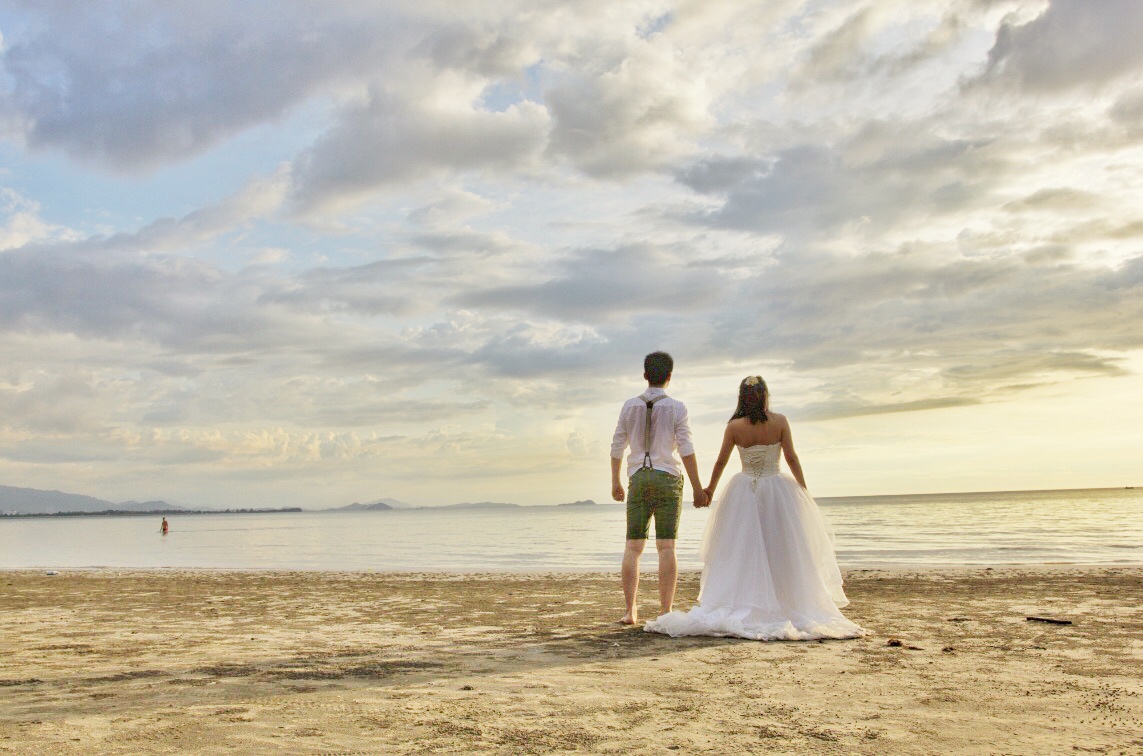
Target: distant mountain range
x,y
380,505
34,501
392,503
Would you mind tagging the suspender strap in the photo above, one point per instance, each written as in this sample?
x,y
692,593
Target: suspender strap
x,y
647,433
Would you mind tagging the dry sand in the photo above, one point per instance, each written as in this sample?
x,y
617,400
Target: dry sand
x,y
176,661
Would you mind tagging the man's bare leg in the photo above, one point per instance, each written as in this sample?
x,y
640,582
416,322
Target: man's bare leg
x,y
630,573
668,573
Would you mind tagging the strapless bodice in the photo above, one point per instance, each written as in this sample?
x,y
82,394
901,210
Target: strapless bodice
x,y
761,459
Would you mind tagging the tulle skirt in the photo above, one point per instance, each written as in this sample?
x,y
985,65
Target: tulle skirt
x,y
769,571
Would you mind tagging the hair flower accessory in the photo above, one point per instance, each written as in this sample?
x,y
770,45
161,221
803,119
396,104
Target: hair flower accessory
x,y
752,380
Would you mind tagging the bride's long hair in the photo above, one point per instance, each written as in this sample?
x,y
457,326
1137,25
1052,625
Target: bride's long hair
x,y
753,399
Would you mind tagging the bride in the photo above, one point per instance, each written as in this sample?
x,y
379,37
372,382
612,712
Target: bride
x,y
769,571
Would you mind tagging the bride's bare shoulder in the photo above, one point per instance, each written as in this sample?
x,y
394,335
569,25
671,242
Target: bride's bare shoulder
x,y
735,427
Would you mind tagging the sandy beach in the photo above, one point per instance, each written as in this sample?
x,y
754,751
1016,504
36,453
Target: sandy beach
x,y
221,662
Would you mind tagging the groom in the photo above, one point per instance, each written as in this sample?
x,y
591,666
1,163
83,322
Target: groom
x,y
654,425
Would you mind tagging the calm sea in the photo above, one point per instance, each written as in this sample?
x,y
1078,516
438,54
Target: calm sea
x,y
1097,526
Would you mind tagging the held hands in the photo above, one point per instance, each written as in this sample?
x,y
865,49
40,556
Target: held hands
x,y
704,497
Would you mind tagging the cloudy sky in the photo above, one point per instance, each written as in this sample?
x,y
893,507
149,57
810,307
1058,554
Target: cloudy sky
x,y
307,253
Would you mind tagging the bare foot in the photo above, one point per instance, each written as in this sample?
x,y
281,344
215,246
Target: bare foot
x,y
629,619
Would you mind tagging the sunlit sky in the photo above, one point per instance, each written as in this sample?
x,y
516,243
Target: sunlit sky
x,y
309,253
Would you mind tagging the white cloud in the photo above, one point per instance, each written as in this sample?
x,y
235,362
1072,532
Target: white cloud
x,y
21,222
259,198
392,140
637,114
453,207
1073,43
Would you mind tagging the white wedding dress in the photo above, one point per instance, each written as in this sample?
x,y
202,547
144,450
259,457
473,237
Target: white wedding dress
x,y
769,571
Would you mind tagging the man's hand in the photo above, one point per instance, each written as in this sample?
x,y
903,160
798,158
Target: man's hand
x,y
701,499
617,490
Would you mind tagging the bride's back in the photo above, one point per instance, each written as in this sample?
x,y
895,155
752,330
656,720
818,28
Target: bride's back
x,y
769,431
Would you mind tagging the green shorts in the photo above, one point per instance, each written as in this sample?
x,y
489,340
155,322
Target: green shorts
x,y
654,493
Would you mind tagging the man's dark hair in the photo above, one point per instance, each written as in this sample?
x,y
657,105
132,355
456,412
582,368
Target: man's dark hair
x,y
658,366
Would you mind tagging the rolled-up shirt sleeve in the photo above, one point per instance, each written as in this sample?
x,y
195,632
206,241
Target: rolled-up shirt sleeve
x,y
686,446
621,437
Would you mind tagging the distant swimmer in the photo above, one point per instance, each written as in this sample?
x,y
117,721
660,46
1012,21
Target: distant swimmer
x,y
164,527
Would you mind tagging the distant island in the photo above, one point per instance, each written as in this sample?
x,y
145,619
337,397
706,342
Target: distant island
x,y
478,505
377,506
584,503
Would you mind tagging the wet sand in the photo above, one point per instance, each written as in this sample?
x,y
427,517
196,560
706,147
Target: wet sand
x,y
297,662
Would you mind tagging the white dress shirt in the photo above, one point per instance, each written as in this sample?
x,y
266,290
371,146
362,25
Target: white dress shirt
x,y
670,430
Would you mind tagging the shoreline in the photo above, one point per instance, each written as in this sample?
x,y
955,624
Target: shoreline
x,y
645,573
147,661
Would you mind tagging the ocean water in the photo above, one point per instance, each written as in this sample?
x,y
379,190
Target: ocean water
x,y
1096,526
